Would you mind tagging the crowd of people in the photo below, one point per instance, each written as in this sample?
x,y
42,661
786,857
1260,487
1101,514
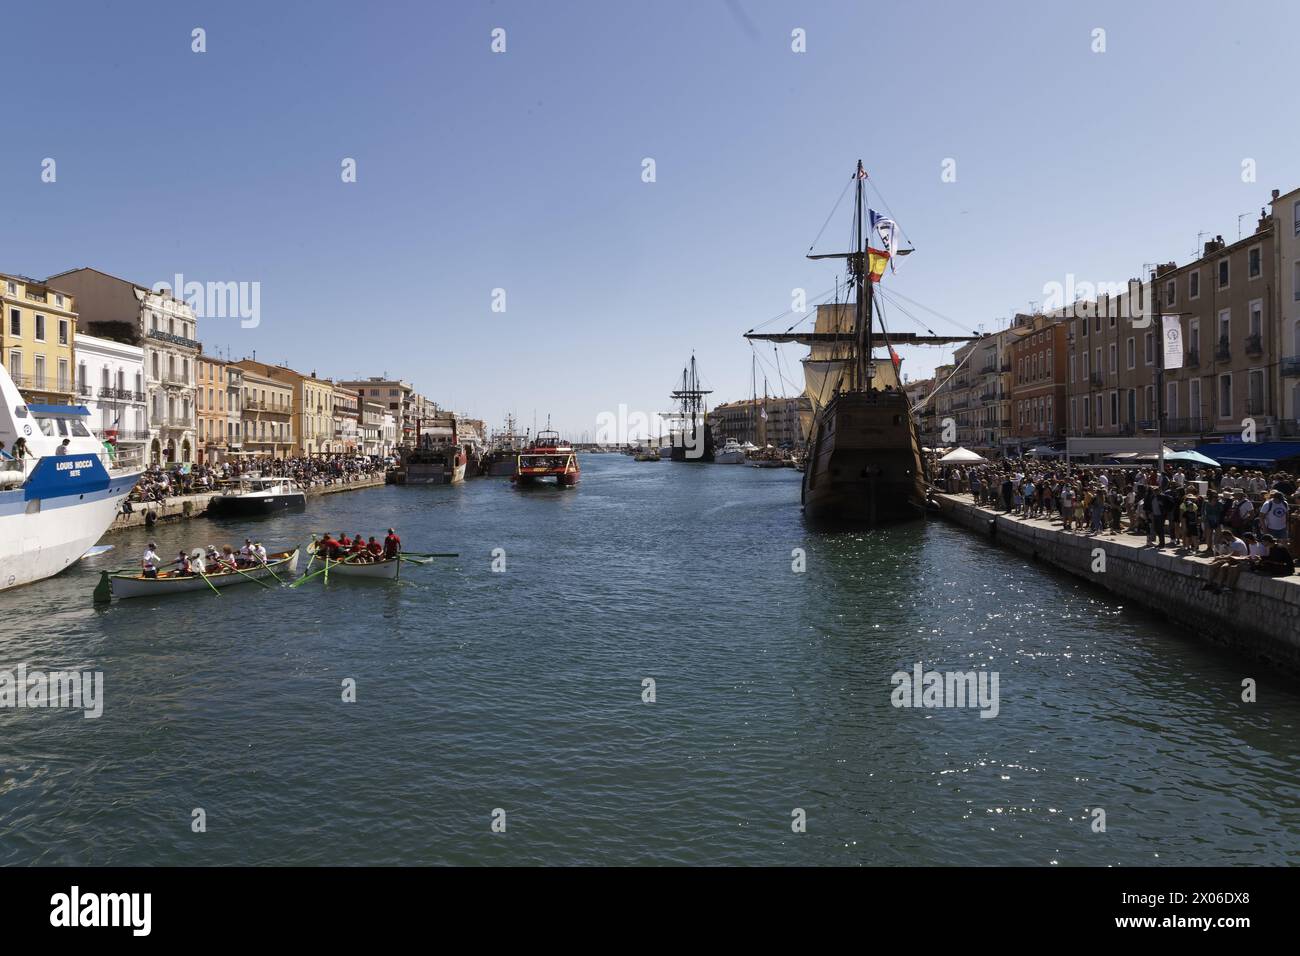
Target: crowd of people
x,y
1240,518
160,482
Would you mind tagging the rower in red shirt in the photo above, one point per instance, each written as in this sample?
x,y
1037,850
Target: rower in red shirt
x,y
375,548
327,547
345,543
392,544
359,547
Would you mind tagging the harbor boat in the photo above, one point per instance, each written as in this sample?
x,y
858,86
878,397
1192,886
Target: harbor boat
x,y
58,500
125,586
547,456
863,463
257,495
731,453
646,454
438,457
692,438
503,451
387,569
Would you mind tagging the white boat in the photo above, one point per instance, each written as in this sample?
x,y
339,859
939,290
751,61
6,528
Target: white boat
x,y
169,582
259,496
386,569
731,453
58,501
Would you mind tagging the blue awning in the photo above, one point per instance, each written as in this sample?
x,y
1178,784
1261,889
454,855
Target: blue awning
x,y
1263,454
65,411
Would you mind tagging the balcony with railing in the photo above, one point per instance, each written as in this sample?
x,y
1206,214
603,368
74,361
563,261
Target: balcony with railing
x,y
1096,379
270,408
175,340
1184,426
1291,366
1256,406
1192,359
1289,427
1254,345
175,422
121,394
1223,353
43,383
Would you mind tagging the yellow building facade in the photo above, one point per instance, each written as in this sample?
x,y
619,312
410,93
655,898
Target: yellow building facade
x,y
38,339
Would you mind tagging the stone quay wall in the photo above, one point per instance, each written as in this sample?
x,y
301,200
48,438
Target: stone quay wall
x,y
1260,617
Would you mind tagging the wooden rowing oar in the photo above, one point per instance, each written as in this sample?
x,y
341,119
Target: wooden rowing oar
x,y
271,571
251,578
428,554
324,570
207,582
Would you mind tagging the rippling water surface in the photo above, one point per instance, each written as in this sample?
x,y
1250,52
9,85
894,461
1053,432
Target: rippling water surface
x,y
522,690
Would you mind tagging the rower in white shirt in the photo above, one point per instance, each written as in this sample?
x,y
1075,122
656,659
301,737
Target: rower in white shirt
x,y
150,562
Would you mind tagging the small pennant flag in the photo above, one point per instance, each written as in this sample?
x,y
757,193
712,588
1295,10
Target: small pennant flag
x,y
893,357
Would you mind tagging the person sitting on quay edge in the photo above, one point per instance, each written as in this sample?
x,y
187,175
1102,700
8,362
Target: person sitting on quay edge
x,y
392,545
1224,569
1277,562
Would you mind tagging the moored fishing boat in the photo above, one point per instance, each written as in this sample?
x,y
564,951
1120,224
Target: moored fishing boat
x,y
171,582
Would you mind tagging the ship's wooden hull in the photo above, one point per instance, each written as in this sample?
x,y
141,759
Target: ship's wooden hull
x,y
864,462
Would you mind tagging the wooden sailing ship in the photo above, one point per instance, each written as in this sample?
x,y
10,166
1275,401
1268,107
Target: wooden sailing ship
x,y
863,462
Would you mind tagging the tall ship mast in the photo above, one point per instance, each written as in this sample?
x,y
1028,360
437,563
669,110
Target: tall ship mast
x,y
694,438
864,463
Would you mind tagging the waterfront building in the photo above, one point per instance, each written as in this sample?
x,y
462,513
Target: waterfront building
x,y
313,405
1286,229
389,433
371,427
219,416
1038,380
743,420
989,393
1223,301
962,406
347,421
396,395
918,395
939,408
37,338
267,411
110,383
165,328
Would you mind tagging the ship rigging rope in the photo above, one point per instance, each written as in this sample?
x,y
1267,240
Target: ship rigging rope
x,y
818,299
834,210
938,388
922,305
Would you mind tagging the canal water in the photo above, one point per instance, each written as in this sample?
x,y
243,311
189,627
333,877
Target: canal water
x,y
523,690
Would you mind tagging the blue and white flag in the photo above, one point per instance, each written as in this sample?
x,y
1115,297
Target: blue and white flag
x,y
887,229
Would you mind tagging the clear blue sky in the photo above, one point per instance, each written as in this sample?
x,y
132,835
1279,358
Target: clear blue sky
x,y
522,170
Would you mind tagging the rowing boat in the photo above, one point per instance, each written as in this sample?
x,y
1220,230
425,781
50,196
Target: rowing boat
x,y
386,569
382,570
170,582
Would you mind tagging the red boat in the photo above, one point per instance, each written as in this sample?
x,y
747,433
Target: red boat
x,y
547,456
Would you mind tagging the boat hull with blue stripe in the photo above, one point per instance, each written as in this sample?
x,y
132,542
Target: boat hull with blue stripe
x,y
58,499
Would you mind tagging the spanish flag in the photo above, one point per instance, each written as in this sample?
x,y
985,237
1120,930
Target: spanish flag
x,y
876,261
